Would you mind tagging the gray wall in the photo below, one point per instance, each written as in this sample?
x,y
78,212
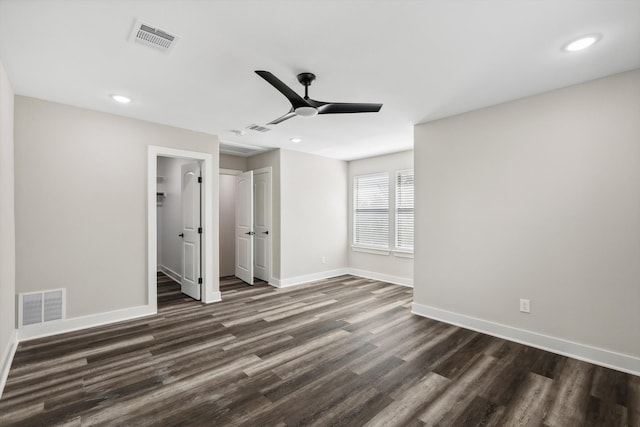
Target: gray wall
x,y
81,212
387,264
7,223
233,162
313,214
539,199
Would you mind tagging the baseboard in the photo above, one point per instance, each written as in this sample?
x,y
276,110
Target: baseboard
x,y
42,330
597,356
402,281
169,272
7,359
274,282
217,296
299,280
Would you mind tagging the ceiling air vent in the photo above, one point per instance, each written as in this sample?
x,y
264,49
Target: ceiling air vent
x,y
153,36
258,128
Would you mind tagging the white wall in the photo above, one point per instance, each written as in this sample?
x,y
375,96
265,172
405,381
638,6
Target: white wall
x,y
539,199
81,210
7,226
170,215
390,266
272,158
313,215
228,189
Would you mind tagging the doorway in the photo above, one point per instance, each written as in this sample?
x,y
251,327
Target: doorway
x,y
179,222
245,224
209,286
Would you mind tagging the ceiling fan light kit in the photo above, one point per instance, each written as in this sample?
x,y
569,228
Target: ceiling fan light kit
x,y
307,107
306,111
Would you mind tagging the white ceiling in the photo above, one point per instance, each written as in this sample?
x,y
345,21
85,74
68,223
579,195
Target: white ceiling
x,y
423,59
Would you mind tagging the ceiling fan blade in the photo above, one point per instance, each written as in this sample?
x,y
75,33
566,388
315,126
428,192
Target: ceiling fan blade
x,y
347,107
295,99
283,118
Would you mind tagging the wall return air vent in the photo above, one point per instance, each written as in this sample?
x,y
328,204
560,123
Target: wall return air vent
x,y
150,35
41,307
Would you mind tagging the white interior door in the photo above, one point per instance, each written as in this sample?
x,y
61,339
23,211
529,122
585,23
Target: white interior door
x,y
191,231
262,224
244,228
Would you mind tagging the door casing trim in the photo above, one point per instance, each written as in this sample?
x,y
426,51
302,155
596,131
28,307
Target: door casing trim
x,y
211,285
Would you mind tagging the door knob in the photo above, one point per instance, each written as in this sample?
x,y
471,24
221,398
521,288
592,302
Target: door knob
x,y
265,232
250,233
181,234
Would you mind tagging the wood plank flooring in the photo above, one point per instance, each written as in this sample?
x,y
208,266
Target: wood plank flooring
x,y
345,351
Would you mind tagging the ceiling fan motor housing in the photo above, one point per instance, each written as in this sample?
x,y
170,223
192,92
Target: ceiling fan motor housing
x,y
306,78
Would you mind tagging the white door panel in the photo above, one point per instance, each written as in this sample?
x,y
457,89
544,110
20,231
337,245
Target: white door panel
x,y
191,230
260,258
262,224
244,228
244,243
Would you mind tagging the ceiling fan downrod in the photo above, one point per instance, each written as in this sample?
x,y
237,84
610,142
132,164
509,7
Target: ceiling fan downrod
x,y
305,79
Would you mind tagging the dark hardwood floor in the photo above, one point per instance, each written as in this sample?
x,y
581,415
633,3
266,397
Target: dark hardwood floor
x,y
344,351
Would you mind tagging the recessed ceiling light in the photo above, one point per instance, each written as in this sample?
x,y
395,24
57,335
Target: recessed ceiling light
x,y
295,140
582,43
121,99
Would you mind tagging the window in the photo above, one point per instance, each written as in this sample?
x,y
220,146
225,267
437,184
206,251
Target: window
x,y
404,210
381,226
371,210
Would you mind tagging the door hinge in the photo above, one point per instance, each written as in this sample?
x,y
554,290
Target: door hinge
x,y
199,280
199,180
199,230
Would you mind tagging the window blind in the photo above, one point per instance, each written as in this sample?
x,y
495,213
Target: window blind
x,y
371,210
404,210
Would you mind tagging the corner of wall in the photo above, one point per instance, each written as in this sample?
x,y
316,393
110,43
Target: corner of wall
x,y
7,359
8,340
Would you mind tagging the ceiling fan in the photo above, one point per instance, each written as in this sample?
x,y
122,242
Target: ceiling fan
x,y
307,107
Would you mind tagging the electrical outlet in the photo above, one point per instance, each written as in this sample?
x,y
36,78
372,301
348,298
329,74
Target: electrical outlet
x,y
324,260
525,306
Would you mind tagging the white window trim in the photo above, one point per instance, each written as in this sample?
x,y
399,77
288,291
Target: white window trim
x,y
402,253
395,209
370,250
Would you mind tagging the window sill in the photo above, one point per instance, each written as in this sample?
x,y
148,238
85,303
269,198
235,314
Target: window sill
x,y
368,250
402,253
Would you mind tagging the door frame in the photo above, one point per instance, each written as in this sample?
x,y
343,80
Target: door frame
x,y
211,288
268,169
228,172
